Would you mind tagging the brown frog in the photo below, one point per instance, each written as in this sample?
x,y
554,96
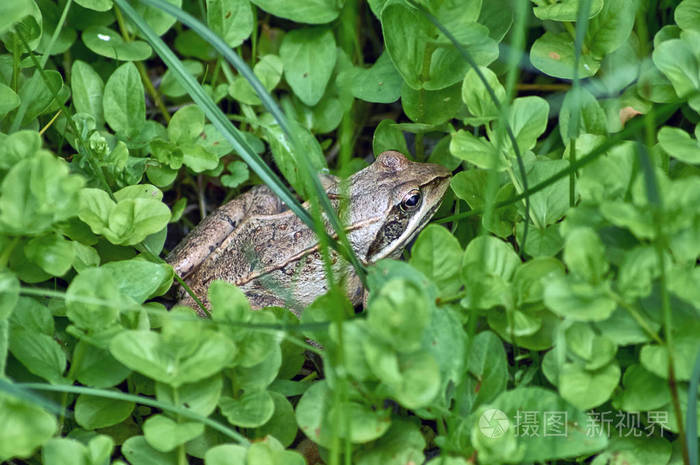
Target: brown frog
x,y
259,245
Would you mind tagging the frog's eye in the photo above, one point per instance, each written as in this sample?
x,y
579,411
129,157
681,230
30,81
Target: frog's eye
x,y
411,200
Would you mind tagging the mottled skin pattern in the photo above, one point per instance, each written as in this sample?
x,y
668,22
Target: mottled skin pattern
x,y
264,249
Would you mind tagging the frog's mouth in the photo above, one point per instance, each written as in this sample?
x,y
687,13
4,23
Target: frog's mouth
x,y
400,229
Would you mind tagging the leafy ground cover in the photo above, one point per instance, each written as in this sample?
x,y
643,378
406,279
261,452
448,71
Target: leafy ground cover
x,y
549,315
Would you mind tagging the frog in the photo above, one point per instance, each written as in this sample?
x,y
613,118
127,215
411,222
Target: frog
x,y
258,244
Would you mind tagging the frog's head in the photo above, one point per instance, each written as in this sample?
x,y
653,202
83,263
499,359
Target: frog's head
x,y
391,201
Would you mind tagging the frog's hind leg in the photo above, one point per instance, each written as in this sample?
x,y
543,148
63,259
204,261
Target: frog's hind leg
x,y
216,227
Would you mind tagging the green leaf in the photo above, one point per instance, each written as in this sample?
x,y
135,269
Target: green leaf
x,y
138,278
585,345
9,100
52,253
201,397
578,300
269,70
591,117
159,21
239,174
138,452
282,425
92,300
678,144
584,254
97,5
64,451
225,454
9,293
164,435
39,353
171,87
560,416
108,43
566,10
402,444
232,20
389,320
251,410
627,449
687,15
477,98
551,203
36,193
13,12
24,427
302,11
528,120
677,61
475,150
611,28
387,136
98,412
553,54
87,90
95,367
18,146
587,389
308,56
380,83
495,257
147,353
431,107
437,254
487,369
186,124
124,101
642,390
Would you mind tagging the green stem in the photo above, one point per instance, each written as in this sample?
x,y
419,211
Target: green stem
x,y
56,32
572,173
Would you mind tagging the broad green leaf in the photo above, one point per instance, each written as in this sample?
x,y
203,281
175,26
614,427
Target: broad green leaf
x,y
403,443
470,186
52,252
18,146
630,447
232,20
678,144
528,120
578,300
548,205
138,452
302,11
95,367
388,319
475,150
545,242
437,254
186,124
139,279
24,427
39,353
380,83
97,5
477,98
201,397
283,424
250,410
26,17
124,101
685,348
37,192
225,454
269,70
147,353
595,351
108,43
387,136
642,390
171,87
591,117
431,106
677,61
93,412
93,301
608,30
566,10
687,14
587,389
64,451
487,369
164,435
308,56
553,54
530,279
9,293
238,174
41,94
584,254
13,12
157,19
494,257
9,100
87,90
